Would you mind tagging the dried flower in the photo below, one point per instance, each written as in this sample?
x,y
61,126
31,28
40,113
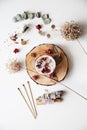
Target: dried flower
x,y
16,50
35,77
38,26
14,37
33,54
71,30
14,66
49,51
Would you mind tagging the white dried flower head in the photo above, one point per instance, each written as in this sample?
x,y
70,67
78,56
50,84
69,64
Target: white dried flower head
x,y
14,66
71,30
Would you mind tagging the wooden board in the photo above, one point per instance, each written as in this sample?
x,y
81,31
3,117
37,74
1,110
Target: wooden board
x,y
61,67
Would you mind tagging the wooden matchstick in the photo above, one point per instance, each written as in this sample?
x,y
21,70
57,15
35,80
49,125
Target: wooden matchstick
x,y
73,91
82,47
32,98
29,99
26,102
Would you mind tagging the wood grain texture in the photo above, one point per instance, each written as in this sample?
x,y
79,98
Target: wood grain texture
x,y
61,66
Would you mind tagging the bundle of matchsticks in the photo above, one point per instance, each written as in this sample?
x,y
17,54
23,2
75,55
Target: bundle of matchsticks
x,y
30,102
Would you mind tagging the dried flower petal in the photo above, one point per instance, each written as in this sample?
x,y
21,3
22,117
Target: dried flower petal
x,y
38,26
14,37
16,50
49,51
33,54
35,77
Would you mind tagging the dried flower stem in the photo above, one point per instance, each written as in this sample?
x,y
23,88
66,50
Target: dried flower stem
x,y
82,46
73,91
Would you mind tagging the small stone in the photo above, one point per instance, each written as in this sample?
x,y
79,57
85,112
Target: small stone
x,y
16,50
46,70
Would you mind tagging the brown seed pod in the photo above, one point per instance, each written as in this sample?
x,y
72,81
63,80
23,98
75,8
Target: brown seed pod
x,y
48,35
71,30
53,26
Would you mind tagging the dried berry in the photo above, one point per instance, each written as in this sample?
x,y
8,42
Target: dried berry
x,y
16,50
35,77
38,26
33,54
44,59
46,70
39,64
52,75
49,51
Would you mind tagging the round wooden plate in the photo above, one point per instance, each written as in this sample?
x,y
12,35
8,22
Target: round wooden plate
x,y
61,64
